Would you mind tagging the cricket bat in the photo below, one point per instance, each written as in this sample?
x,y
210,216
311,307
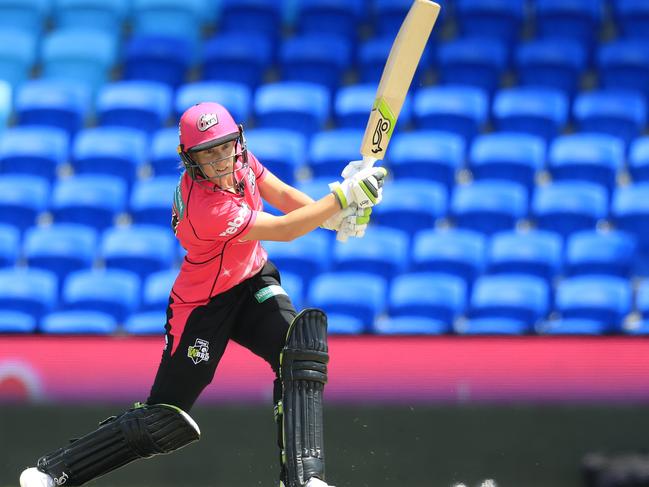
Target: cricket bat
x,y
398,72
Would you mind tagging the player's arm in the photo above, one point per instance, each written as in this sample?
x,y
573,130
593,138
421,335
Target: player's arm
x,y
282,196
364,190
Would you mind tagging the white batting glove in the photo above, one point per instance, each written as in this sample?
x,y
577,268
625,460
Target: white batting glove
x,y
354,167
365,189
334,222
354,225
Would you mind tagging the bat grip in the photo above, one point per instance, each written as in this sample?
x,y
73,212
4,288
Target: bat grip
x,y
367,162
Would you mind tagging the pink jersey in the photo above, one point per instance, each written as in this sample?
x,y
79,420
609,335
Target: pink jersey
x,y
209,225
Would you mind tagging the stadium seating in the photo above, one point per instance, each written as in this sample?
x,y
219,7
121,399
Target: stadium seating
x,y
60,103
488,206
177,18
642,299
236,96
160,58
142,249
427,154
459,109
586,157
344,324
26,15
116,151
17,55
508,156
456,251
93,200
112,291
151,200
22,199
537,111
156,288
596,252
16,322
37,150
373,52
9,244
251,16
294,287
330,151
106,15
537,253
551,62
60,248
369,254
624,64
631,17
281,151
353,103
501,20
305,257
638,161
146,323
410,325
163,155
629,211
577,19
78,322
338,17
411,205
31,291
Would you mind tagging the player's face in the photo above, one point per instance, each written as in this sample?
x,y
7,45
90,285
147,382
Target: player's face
x,y
217,164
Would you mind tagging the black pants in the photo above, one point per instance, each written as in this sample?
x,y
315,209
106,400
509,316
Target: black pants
x,y
251,314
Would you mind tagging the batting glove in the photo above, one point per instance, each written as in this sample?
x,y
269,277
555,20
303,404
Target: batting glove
x,y
354,225
365,189
354,167
350,219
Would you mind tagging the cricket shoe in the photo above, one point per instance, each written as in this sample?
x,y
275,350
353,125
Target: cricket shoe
x,y
32,477
316,482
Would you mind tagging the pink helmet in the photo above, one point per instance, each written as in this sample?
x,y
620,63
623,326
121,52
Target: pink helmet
x,y
206,125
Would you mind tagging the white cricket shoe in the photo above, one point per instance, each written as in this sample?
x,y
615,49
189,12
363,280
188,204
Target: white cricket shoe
x,y
32,477
315,482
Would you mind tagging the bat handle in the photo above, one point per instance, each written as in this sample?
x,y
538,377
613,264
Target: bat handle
x,y
367,162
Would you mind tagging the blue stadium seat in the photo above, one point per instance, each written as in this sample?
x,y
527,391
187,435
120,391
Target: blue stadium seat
x,y
26,15
254,16
595,252
441,297
489,206
17,55
281,151
537,253
520,298
9,244
36,150
566,207
501,19
344,324
31,291
536,111
631,18
151,200
509,156
552,62
339,17
156,288
163,156
144,105
6,103
571,326
492,325
116,151
587,157
112,291
316,188
158,57
619,113
241,57
603,299
373,52
59,103
456,251
142,249
308,58
576,19
146,323
93,200
369,253
178,18
473,61
427,154
78,322
411,205
642,299
61,248
22,199
237,97
630,210
330,150
305,257
106,15
638,160
410,325
294,287
355,293
624,64
353,103
79,53
459,109
17,322
294,105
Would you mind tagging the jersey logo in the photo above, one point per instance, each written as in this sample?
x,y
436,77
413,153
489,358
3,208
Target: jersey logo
x,y
199,351
206,121
234,225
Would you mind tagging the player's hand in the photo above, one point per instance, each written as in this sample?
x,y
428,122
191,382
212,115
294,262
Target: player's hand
x,y
355,224
334,222
354,167
365,189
